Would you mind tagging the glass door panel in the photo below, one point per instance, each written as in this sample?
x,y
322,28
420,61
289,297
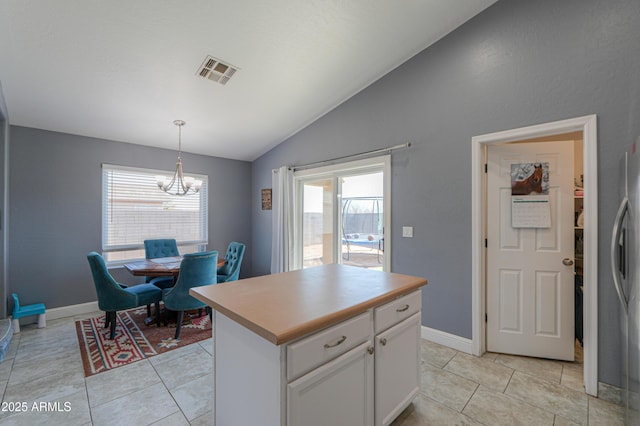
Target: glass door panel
x,y
318,222
362,220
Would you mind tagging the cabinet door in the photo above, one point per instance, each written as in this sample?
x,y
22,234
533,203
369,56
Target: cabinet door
x,y
337,393
397,369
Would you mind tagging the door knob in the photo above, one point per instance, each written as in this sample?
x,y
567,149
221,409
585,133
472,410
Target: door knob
x,y
567,262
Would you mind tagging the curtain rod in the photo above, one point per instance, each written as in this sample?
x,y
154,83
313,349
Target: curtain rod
x,y
346,157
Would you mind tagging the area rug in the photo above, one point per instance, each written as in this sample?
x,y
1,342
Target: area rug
x,y
134,340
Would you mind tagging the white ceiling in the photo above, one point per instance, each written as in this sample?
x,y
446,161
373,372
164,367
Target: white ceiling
x,y
125,70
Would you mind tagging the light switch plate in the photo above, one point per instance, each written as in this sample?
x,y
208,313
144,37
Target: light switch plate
x,y
407,231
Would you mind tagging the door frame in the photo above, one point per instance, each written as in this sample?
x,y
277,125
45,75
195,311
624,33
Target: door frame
x,y
588,126
372,164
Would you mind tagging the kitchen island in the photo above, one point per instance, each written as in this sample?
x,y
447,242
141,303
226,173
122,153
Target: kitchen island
x,y
332,344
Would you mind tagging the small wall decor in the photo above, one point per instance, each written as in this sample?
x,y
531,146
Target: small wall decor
x,y
530,195
266,199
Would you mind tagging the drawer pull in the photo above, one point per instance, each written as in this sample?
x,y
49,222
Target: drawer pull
x,y
370,350
383,341
404,308
333,345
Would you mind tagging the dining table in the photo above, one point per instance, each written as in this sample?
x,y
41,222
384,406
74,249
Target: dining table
x,y
159,267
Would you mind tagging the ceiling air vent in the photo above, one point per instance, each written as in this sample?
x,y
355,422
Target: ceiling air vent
x,y
215,70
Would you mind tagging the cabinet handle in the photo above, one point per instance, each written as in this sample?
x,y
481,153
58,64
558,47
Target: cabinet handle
x,y
333,345
383,341
370,350
404,308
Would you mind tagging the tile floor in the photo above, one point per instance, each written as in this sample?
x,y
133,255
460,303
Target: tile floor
x,y
44,365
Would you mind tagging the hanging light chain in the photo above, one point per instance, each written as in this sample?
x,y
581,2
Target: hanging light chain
x,y
184,186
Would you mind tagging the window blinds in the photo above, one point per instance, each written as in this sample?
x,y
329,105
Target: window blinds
x,y
135,209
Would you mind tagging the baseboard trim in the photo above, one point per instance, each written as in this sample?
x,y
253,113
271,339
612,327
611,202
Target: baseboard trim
x,y
446,339
72,310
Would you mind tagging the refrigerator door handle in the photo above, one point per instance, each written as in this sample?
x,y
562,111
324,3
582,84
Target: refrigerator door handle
x,y
617,229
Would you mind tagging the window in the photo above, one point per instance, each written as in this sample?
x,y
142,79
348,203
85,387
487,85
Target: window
x,y
135,209
342,214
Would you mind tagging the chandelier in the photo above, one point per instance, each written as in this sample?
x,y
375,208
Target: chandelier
x,y
179,184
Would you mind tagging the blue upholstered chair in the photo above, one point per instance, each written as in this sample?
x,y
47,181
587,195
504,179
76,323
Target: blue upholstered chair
x,y
230,271
196,269
113,296
154,249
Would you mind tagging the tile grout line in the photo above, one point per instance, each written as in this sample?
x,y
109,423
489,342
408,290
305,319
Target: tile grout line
x,y
170,394
469,400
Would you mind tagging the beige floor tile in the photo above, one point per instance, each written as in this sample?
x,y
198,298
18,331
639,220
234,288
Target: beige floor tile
x,y
542,368
490,356
605,413
207,345
555,398
435,354
175,371
561,421
480,370
572,377
446,388
135,408
72,410
45,347
175,419
5,369
53,387
195,398
177,354
495,408
57,361
113,384
204,420
426,412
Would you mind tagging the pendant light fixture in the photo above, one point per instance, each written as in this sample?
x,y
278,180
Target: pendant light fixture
x,y
179,184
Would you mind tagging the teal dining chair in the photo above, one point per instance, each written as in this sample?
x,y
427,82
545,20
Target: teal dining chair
x,y
163,247
196,269
114,297
230,271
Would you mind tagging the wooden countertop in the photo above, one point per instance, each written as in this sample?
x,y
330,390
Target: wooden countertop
x,y
282,307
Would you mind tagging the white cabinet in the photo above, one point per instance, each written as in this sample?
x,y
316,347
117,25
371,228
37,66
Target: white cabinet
x,y
331,381
397,369
339,392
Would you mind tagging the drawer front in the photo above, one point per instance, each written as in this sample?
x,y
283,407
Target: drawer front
x,y
395,311
310,352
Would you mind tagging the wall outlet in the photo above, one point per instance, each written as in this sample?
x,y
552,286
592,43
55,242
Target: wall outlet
x,y
407,231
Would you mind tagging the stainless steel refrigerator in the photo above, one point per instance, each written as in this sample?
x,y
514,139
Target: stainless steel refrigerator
x,y
625,265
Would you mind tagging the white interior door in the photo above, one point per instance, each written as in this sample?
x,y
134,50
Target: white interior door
x,y
530,290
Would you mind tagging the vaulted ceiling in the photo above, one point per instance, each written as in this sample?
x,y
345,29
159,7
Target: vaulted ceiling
x,y
125,70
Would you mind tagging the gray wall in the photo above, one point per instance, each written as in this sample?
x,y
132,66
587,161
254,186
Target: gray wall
x,y
55,187
518,63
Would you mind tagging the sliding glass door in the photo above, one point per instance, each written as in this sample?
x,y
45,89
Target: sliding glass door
x,y
317,222
341,214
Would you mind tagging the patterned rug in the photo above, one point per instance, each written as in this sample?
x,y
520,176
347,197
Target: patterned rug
x,y
134,340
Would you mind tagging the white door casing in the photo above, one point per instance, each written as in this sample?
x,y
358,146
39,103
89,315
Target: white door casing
x,y
530,291
588,125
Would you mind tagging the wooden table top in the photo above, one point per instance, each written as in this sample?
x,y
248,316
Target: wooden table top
x,y
160,267
282,307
